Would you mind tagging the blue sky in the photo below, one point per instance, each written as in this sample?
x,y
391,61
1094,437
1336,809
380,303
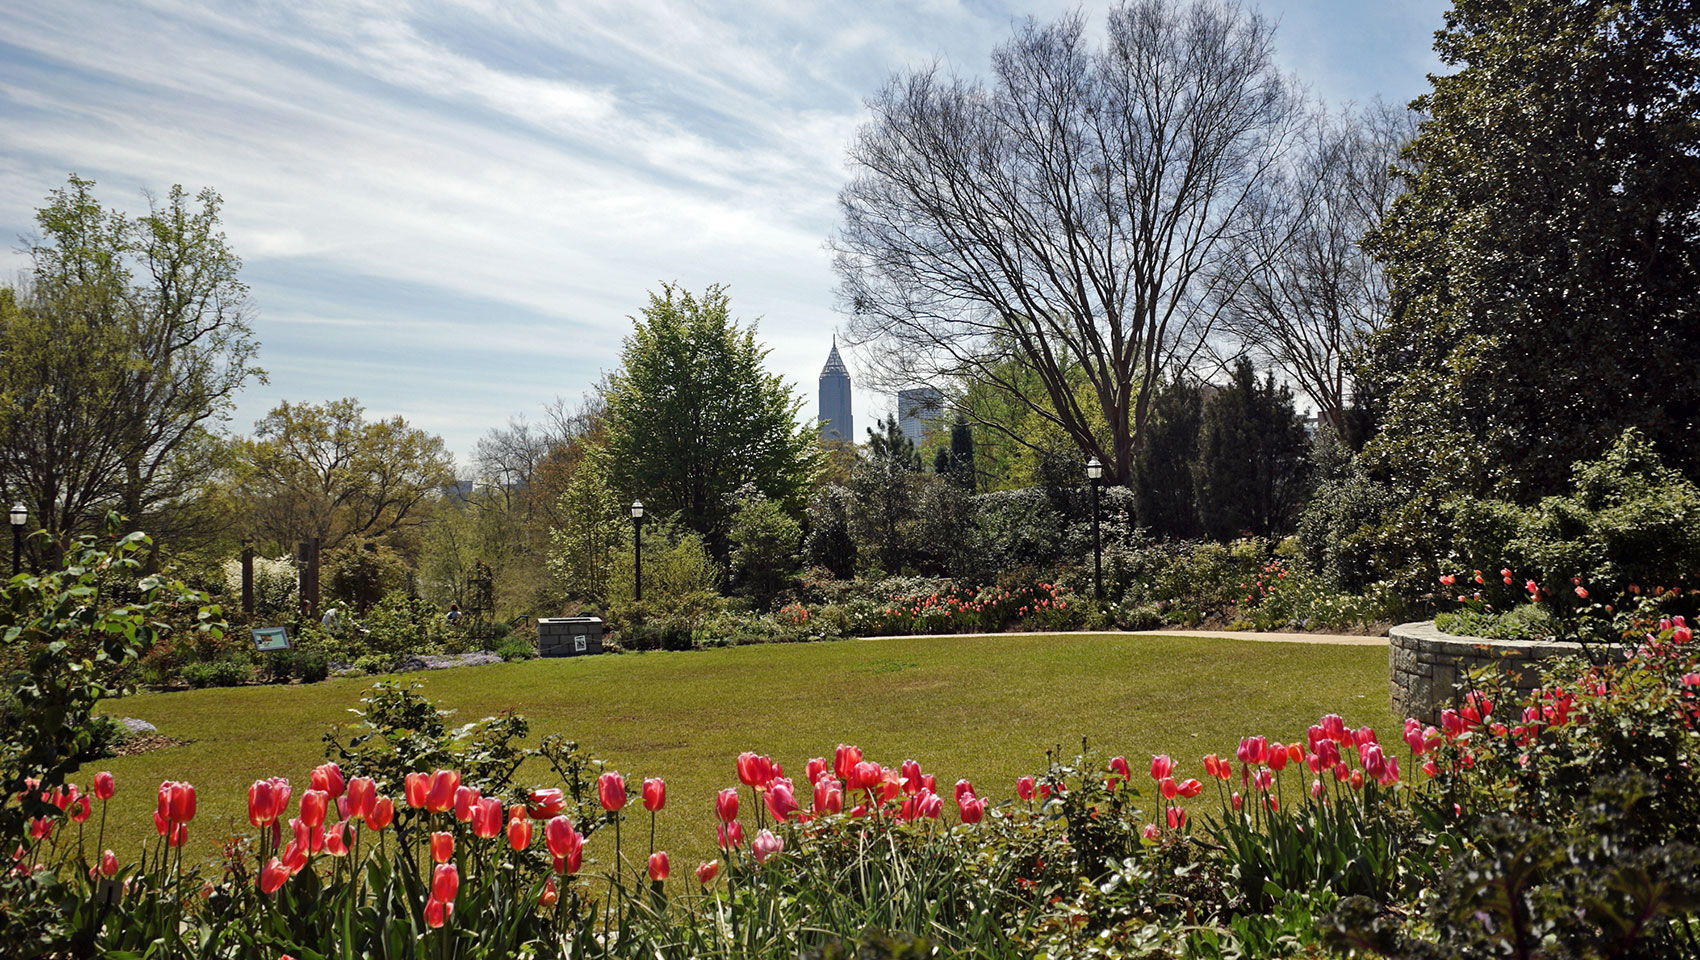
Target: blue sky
x,y
449,210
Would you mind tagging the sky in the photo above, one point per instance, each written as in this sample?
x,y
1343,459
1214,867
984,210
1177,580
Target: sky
x,y
451,210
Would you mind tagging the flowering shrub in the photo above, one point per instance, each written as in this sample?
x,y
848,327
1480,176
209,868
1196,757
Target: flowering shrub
x,y
1282,595
958,610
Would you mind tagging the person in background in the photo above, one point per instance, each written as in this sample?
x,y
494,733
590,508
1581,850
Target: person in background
x,y
454,614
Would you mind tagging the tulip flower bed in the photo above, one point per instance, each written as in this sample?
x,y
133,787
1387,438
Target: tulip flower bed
x,y
1460,840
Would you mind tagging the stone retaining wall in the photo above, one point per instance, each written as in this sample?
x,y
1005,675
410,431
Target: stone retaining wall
x,y
1427,666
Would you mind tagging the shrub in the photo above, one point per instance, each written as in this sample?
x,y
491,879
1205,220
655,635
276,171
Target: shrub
x,y
276,584
513,648
217,673
106,735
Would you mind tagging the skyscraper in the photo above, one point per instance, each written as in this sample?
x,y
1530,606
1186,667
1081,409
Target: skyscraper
x,y
917,410
836,423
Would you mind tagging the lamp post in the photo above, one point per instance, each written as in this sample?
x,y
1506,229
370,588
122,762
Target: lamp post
x,y
20,516
1095,473
637,554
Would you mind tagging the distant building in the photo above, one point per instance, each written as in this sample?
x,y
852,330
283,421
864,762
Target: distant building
x,y
836,422
918,409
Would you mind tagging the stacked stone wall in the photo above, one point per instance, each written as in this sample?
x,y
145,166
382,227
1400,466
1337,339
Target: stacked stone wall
x,y
1429,668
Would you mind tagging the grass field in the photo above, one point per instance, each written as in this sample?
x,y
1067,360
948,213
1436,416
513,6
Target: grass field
x,y
981,707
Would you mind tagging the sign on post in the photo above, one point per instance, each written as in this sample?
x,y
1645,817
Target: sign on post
x,y
268,639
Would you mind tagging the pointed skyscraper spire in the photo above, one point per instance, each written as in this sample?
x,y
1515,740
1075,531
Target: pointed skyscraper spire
x,y
836,422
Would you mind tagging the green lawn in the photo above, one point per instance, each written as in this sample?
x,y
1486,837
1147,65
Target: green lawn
x,y
981,707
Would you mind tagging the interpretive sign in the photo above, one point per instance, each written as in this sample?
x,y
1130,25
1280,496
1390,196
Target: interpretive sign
x,y
267,639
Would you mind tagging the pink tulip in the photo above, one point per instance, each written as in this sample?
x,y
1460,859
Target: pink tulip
x,y
766,845
828,797
417,786
973,809
1168,788
441,795
519,833
466,798
327,777
910,771
437,912
487,818
706,872
658,866
729,835
383,811
816,769
104,786
313,807
754,770
1150,832
844,761
445,882
1024,788
781,802
272,875
362,794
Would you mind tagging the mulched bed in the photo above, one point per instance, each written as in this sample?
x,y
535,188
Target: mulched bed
x,y
144,743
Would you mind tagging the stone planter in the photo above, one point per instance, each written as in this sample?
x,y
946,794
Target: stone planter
x,y
1428,666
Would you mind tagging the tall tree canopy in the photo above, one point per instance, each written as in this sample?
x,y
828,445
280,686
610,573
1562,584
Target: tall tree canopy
x,y
1545,263
1067,214
127,340
323,470
692,415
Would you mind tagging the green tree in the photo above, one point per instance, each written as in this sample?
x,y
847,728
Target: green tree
x,y
955,462
693,415
765,542
1164,490
1545,261
884,494
592,523
324,470
120,350
1252,473
829,542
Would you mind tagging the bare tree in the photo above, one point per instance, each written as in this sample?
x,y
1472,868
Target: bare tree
x,y
1301,293
1063,223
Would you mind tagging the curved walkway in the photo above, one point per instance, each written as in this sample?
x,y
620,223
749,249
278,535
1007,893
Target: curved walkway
x,y
1336,639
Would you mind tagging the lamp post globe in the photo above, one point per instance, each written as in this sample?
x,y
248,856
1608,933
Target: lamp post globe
x,y
20,515
637,550
1094,474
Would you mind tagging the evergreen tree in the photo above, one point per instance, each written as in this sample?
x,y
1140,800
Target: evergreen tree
x,y
1252,473
1164,488
884,490
1545,261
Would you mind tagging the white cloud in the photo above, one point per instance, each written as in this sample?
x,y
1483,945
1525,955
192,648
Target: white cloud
x,y
450,209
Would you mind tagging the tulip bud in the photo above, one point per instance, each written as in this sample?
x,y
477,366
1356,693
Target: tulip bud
x,y
658,866
706,872
654,794
442,847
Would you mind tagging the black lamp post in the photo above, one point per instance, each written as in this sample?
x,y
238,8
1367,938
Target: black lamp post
x,y
20,516
1095,473
637,554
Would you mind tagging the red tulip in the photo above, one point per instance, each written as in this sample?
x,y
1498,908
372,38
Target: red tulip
x,y
1119,765
1237,800
706,872
1363,735
654,793
313,807
1357,779
1168,788
1189,788
828,797
973,809
109,864
441,795
272,876
442,847
1161,766
327,777
1334,728
519,833
445,882
104,786
1024,788
336,839
1278,757
78,810
383,811
487,818
658,866
418,788
545,804
1177,818
550,893
560,837
963,787
176,802
1150,831
611,790
465,799
929,804
754,770
910,771
726,805
816,768
730,835
844,761
436,911
362,794
781,802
